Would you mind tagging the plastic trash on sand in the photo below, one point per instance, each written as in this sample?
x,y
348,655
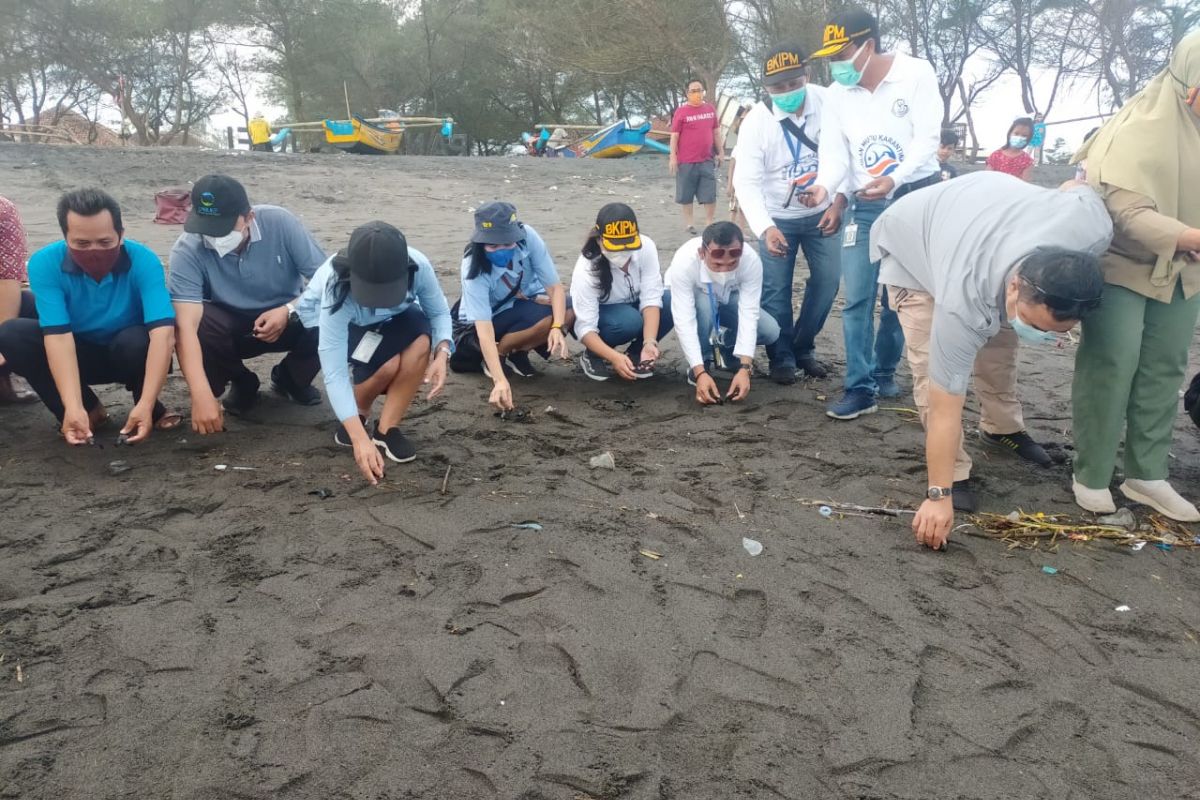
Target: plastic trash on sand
x,y
752,546
603,461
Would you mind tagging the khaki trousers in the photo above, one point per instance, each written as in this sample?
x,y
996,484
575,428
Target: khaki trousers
x,y
995,370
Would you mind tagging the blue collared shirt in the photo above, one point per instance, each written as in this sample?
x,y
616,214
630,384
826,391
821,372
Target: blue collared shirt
x,y
315,310
69,301
532,268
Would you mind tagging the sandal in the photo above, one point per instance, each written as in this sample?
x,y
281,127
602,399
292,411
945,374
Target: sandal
x,y
165,420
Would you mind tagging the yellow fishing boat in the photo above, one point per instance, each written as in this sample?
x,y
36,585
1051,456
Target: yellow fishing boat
x,y
616,141
356,135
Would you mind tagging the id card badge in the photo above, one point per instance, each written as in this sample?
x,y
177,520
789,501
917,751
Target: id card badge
x,y
850,235
366,347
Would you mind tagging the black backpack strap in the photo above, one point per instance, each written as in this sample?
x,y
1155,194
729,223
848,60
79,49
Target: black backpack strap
x,y
798,133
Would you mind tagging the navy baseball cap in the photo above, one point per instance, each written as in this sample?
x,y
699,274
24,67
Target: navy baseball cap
x,y
217,202
378,264
496,223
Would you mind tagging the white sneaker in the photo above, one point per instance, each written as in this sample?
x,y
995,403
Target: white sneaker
x,y
1098,501
1162,497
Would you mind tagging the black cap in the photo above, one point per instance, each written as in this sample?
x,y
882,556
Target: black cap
x,y
852,26
217,202
377,262
618,227
496,223
783,62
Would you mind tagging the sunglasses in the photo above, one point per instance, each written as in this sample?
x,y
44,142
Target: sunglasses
x,y
722,252
1060,303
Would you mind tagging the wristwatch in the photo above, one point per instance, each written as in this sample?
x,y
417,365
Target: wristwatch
x,y
446,348
939,492
747,367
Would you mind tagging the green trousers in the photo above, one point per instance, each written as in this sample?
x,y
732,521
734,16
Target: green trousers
x,y
1130,365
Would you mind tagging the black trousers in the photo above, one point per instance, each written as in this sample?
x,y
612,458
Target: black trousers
x,y
122,360
226,341
28,311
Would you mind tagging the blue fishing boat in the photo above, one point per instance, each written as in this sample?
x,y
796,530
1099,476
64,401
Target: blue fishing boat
x,y
616,141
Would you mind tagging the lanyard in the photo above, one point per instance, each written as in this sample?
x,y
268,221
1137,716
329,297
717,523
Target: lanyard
x,y
794,145
712,300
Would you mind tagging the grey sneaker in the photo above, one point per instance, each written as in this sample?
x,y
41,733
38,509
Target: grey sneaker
x,y
594,366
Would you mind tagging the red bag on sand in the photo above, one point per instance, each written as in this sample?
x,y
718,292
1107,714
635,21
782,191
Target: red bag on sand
x,y
172,206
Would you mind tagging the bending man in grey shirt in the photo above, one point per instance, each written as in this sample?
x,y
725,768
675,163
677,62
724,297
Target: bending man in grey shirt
x,y
972,265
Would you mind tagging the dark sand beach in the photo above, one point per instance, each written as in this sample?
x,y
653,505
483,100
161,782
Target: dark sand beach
x,y
199,634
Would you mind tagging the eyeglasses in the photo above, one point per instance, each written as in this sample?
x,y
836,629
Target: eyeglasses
x,y
1060,303
695,91
722,252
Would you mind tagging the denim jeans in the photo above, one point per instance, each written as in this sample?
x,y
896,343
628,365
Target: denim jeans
x,y
768,328
824,257
869,356
622,322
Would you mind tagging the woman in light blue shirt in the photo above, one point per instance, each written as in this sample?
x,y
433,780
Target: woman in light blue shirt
x,y
378,306
512,295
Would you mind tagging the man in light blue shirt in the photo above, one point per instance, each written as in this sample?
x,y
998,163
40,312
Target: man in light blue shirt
x,y
104,316
378,307
235,275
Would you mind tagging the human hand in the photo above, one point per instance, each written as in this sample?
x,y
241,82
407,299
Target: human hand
x,y
739,387
207,415
435,374
775,240
706,390
270,325
501,396
877,189
139,424
933,521
369,460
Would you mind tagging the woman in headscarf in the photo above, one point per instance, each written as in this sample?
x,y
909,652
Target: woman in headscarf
x,y
1145,163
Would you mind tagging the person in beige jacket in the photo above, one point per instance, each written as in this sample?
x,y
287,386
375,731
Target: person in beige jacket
x,y
1145,163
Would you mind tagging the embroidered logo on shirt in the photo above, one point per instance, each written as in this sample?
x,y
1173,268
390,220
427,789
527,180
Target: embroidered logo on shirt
x,y
900,108
880,155
803,173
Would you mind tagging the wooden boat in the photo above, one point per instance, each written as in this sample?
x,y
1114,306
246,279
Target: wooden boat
x,y
616,141
356,135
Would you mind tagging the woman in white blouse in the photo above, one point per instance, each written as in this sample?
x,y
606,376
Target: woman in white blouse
x,y
618,298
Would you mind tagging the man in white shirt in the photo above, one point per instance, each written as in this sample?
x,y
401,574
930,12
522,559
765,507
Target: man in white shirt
x,y
879,137
716,285
776,159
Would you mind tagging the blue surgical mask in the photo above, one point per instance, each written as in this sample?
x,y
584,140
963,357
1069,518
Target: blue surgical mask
x,y
790,102
1031,334
844,72
1018,142
501,258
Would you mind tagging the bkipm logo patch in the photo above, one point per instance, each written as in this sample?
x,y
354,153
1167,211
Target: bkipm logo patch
x,y
900,108
620,229
485,224
208,205
835,34
880,155
781,62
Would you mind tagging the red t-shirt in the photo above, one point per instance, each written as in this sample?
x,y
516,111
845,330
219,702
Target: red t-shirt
x,y
1013,165
695,126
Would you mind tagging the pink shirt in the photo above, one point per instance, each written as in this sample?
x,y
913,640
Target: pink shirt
x,y
1013,165
12,243
695,126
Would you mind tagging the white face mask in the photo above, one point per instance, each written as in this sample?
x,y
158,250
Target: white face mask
x,y
618,260
719,278
224,245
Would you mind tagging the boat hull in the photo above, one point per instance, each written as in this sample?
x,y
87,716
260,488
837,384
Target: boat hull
x,y
616,141
358,136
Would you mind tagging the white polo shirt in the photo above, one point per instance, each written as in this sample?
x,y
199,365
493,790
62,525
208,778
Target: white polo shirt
x,y
893,131
640,282
769,161
687,277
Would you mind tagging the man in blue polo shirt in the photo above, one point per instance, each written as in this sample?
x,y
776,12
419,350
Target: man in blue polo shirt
x,y
104,316
235,276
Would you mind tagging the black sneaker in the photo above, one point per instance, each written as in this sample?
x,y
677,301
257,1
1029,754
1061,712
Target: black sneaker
x,y
963,497
811,367
594,366
1021,444
282,382
520,364
396,445
242,394
783,374
340,436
